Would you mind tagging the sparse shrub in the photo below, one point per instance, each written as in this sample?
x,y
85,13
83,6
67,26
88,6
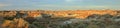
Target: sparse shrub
x,y
8,18
46,15
93,16
48,21
106,16
30,19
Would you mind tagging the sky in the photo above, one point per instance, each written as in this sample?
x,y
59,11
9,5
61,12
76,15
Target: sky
x,y
58,4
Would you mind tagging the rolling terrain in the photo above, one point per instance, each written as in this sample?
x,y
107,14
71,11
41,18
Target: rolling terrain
x,y
60,19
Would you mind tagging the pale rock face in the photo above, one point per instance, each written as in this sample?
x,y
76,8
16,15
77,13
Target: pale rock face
x,y
72,21
38,16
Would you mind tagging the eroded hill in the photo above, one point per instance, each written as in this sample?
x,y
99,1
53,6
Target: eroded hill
x,y
60,19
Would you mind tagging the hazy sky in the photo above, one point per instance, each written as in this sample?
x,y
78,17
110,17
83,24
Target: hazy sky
x,y
59,4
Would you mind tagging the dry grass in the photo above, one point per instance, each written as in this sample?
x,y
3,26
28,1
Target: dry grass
x,y
79,14
16,23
